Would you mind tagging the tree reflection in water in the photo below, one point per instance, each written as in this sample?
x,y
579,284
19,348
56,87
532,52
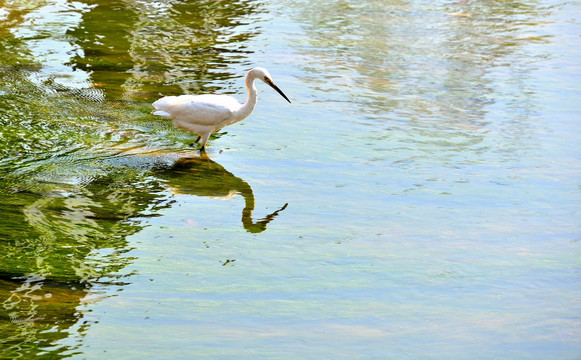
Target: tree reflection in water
x,y
62,248
68,200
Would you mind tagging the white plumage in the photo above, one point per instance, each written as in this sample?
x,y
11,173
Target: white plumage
x,y
204,114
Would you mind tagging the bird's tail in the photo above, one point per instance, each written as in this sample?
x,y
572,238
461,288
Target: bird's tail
x,y
159,106
161,113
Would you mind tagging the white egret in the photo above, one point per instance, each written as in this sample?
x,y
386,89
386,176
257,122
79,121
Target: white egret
x,y
204,114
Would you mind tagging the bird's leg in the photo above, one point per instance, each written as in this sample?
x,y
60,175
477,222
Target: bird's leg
x,y
204,140
195,142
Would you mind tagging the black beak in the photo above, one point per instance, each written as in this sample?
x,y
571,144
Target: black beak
x,y
269,82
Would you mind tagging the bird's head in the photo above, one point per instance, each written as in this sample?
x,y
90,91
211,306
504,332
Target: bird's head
x,y
264,75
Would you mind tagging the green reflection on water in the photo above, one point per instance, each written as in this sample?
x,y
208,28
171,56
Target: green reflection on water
x,y
76,80
55,247
131,48
428,207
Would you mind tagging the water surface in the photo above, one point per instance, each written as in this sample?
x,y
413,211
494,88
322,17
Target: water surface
x,y
429,159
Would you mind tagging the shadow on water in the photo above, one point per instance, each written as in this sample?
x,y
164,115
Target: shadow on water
x,y
75,166
201,176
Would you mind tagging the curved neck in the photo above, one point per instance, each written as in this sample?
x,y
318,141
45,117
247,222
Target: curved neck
x,y
250,103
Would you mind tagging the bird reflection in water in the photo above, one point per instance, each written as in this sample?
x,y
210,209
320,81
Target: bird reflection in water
x,y
201,176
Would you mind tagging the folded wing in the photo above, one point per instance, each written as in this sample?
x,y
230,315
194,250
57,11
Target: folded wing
x,y
203,110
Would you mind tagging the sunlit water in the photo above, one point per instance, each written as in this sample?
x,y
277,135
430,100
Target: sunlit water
x,y
430,160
